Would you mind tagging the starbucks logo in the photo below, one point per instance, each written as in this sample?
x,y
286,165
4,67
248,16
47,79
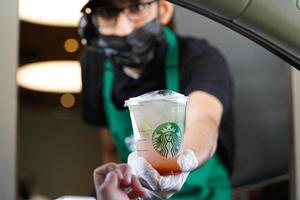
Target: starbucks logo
x,y
166,139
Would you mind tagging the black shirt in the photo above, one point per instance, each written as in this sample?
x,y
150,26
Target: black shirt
x,y
201,67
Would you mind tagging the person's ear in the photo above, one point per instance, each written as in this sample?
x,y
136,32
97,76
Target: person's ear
x,y
165,11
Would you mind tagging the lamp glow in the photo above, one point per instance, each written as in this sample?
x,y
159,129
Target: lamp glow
x,y
51,12
71,45
51,76
67,100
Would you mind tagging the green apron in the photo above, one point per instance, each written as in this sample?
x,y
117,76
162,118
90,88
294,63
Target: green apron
x,y
209,182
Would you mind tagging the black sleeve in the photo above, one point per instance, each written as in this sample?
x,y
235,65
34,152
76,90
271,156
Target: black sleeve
x,y
204,68
92,109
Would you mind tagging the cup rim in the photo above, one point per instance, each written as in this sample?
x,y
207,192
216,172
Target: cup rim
x,y
145,98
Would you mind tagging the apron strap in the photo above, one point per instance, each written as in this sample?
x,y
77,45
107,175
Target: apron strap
x,y
172,61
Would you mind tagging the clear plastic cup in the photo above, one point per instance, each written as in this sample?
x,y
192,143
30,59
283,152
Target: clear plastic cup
x,y
158,121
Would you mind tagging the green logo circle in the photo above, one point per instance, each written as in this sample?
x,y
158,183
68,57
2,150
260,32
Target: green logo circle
x,y
167,139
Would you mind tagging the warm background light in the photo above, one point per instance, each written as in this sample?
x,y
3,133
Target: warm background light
x,y
51,12
67,100
51,76
71,45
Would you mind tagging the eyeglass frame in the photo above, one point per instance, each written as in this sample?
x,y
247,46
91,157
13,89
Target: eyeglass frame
x,y
117,10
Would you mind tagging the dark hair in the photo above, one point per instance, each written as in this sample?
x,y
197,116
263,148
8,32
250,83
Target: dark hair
x,y
92,4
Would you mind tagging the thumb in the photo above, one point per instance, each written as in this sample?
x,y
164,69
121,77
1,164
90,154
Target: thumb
x,y
111,180
187,161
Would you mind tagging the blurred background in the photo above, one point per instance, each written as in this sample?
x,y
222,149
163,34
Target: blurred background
x,y
56,148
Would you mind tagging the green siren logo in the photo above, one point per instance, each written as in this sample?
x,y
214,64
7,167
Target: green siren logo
x,y
166,139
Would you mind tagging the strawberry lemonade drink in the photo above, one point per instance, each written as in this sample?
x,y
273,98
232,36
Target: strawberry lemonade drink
x,y
158,120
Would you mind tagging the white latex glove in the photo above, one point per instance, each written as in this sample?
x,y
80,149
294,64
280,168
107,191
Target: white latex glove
x,y
162,186
187,161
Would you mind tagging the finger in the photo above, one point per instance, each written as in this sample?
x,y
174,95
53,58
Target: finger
x,y
111,180
119,173
132,156
131,160
138,188
101,172
173,182
148,174
187,161
109,185
159,194
134,195
126,172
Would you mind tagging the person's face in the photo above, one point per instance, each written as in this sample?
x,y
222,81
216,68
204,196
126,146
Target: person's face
x,y
126,16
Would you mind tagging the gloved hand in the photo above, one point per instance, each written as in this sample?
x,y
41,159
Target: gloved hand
x,y
162,186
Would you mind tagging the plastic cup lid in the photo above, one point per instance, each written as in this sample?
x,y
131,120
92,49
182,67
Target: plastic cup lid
x,y
158,95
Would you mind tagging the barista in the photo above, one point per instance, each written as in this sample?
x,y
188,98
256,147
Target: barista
x,y
129,51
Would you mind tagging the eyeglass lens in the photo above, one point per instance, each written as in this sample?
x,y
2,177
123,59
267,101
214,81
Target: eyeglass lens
x,y
134,12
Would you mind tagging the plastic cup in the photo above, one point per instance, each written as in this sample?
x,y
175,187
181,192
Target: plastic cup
x,y
158,121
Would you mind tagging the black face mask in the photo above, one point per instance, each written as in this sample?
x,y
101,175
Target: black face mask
x,y
134,50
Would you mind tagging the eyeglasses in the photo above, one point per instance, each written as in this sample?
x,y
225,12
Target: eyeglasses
x,y
136,12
